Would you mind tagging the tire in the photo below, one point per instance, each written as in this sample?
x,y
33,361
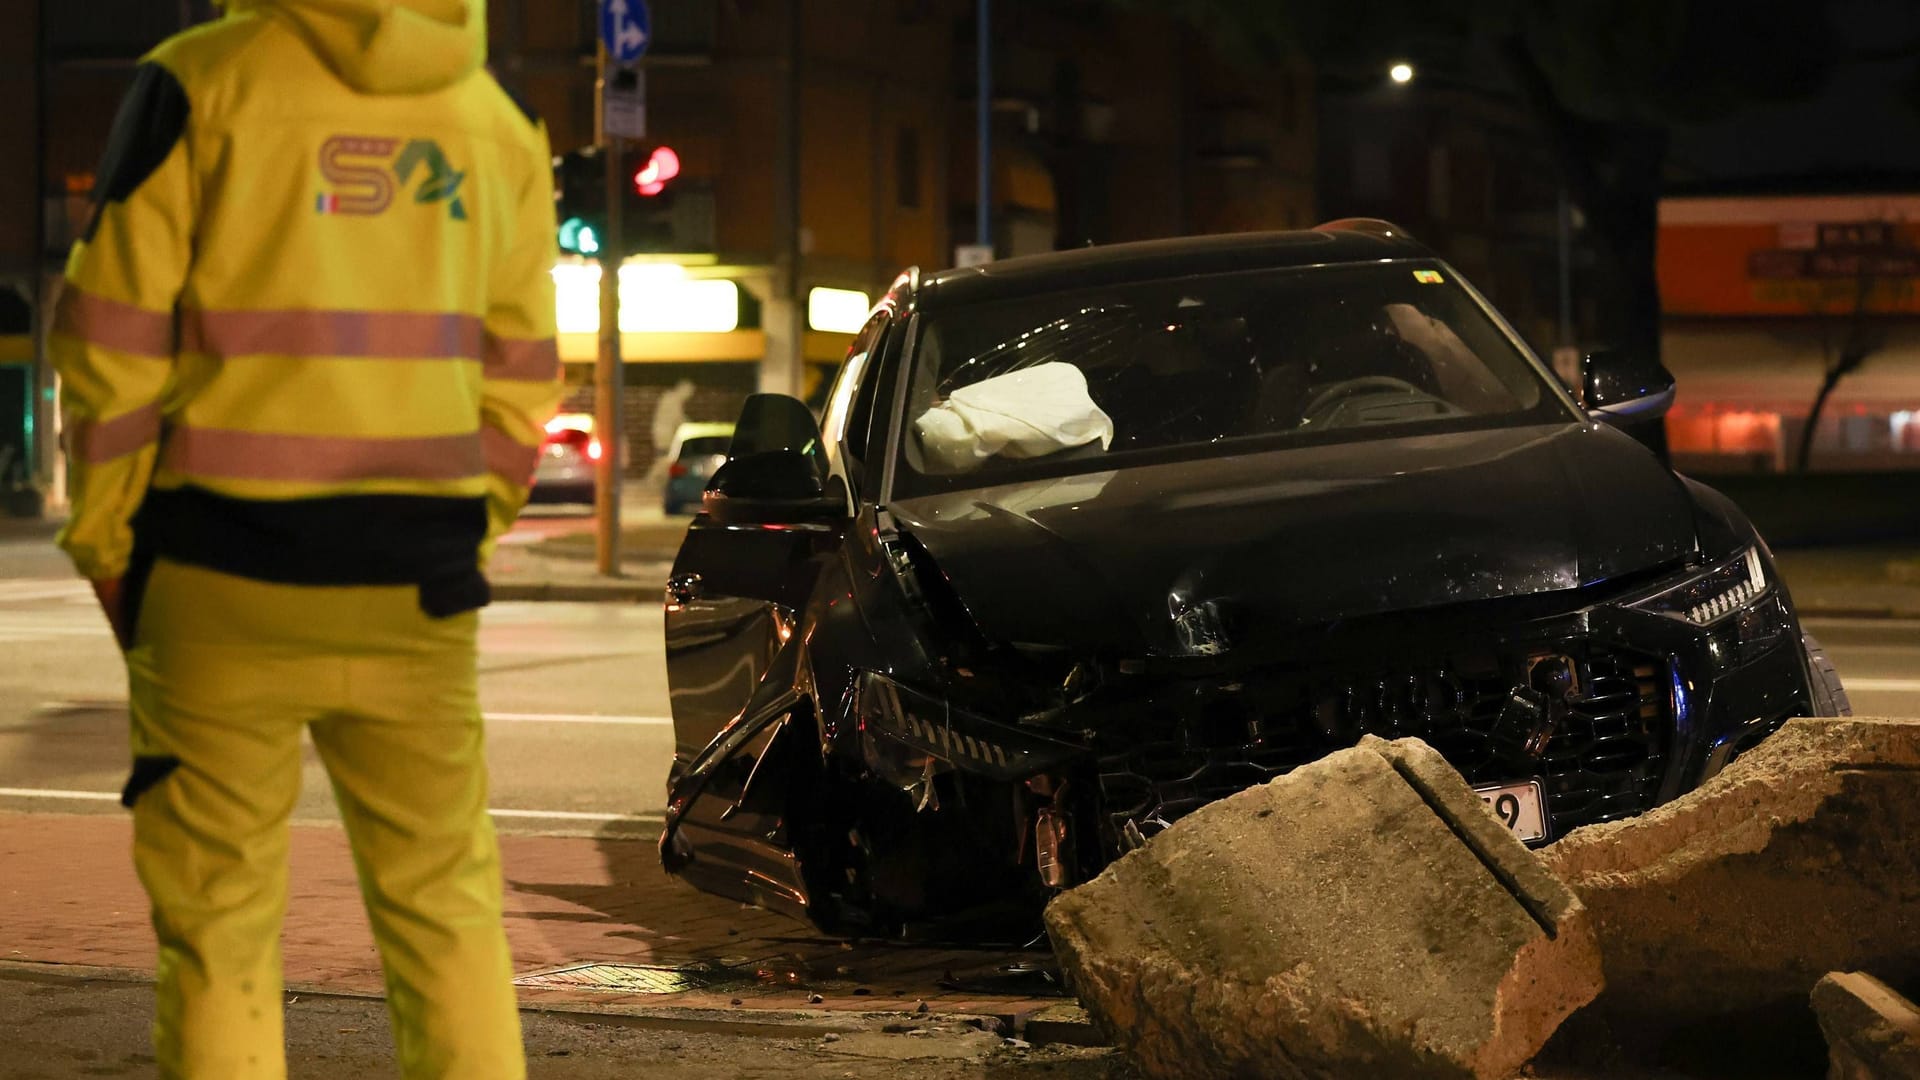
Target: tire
x,y
1829,696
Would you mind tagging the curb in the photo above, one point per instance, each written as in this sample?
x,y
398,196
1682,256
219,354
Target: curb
x,y
600,590
1062,1026
575,592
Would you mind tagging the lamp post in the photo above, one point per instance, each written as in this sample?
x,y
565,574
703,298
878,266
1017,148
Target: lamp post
x,y
983,220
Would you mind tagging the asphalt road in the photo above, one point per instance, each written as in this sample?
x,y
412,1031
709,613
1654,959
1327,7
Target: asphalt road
x,y
576,695
56,1026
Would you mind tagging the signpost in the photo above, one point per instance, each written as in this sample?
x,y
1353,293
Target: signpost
x,y
625,31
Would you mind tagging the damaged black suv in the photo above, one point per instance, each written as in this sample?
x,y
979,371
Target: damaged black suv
x,y
1085,541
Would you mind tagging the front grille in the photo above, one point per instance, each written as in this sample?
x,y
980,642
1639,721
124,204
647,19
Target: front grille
x,y
1602,757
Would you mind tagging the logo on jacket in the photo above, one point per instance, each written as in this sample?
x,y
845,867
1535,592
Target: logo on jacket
x,y
366,172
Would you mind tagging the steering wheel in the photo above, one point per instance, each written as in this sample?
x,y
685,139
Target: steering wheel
x,y
1333,396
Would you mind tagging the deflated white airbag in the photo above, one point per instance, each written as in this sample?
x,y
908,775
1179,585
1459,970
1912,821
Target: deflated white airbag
x,y
1024,414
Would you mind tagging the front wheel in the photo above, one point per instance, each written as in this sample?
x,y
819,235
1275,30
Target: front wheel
x,y
1829,696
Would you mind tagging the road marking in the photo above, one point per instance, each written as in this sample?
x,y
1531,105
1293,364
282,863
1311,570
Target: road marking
x,y
54,793
578,718
1877,685
61,707
25,590
547,815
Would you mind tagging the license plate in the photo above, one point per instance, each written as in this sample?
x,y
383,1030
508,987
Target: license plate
x,y
1519,807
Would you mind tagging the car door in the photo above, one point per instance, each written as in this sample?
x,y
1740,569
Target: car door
x,y
734,591
732,605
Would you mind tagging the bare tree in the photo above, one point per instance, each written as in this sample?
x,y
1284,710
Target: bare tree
x,y
1843,348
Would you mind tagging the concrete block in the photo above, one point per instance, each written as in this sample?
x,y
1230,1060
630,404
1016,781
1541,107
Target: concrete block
x,y
1801,858
1872,1033
1362,916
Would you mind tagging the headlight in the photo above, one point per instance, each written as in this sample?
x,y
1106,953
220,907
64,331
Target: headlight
x,y
1722,591
905,729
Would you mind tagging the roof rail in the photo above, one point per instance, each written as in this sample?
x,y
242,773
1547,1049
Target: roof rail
x,y
1385,230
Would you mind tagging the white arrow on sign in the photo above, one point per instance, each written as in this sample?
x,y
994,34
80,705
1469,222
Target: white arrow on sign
x,y
631,37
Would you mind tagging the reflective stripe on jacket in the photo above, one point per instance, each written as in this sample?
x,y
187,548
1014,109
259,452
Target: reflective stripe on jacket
x,y
316,287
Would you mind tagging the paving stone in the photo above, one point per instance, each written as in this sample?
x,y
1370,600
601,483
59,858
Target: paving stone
x,y
1362,916
1801,858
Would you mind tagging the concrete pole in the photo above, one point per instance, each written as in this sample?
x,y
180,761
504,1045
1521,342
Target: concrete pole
x,y
783,318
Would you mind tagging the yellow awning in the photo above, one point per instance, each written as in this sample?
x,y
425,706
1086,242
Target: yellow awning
x,y
734,346
738,346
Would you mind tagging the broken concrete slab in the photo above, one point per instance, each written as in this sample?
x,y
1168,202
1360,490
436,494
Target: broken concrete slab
x,y
1803,857
1362,916
1872,1032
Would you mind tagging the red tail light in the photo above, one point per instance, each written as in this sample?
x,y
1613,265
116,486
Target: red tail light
x,y
677,470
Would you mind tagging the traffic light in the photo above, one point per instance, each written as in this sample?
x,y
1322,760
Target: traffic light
x,y
580,188
653,175
652,218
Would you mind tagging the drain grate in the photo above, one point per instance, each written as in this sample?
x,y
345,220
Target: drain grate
x,y
629,978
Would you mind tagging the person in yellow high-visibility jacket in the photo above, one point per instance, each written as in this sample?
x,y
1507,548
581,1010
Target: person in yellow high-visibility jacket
x,y
307,350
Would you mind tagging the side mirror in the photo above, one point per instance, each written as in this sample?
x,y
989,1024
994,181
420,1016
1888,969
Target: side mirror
x,y
1622,388
776,468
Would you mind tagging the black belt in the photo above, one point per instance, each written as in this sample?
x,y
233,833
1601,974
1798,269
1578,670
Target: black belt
x,y
432,542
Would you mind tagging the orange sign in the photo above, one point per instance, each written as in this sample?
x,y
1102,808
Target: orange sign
x,y
1790,255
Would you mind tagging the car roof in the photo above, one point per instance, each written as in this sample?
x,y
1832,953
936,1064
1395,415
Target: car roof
x,y
1357,240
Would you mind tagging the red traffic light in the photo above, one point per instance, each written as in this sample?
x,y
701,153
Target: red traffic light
x,y
662,165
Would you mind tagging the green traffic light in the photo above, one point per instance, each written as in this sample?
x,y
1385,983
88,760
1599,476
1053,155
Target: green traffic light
x,y
578,236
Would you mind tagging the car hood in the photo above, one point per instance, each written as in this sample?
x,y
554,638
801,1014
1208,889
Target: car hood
x,y
1189,558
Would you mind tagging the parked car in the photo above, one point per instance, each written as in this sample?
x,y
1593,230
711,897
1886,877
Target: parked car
x,y
1085,541
568,459
698,451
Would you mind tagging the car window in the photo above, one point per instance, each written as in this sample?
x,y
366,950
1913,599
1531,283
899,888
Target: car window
x,y
1205,366
849,409
705,445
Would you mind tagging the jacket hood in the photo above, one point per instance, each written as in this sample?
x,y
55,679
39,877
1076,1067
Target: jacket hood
x,y
1193,558
388,46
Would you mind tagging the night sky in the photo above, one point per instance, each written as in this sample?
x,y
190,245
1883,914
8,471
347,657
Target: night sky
x,y
1867,121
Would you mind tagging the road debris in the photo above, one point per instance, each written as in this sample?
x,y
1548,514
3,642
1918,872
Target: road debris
x,y
1796,861
1362,915
1872,1032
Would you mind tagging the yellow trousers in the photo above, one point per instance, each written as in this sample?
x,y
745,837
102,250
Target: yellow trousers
x,y
225,674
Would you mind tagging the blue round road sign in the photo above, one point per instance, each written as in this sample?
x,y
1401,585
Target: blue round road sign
x,y
626,29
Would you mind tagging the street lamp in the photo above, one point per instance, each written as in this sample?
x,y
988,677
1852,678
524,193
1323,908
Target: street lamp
x,y
1401,73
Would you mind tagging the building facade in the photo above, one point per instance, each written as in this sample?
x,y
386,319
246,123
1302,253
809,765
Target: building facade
x,y
1766,296
1465,172
1107,124
818,146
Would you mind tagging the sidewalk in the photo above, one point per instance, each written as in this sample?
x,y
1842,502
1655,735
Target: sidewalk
x,y
69,897
552,553
1853,582
75,1024
14,528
